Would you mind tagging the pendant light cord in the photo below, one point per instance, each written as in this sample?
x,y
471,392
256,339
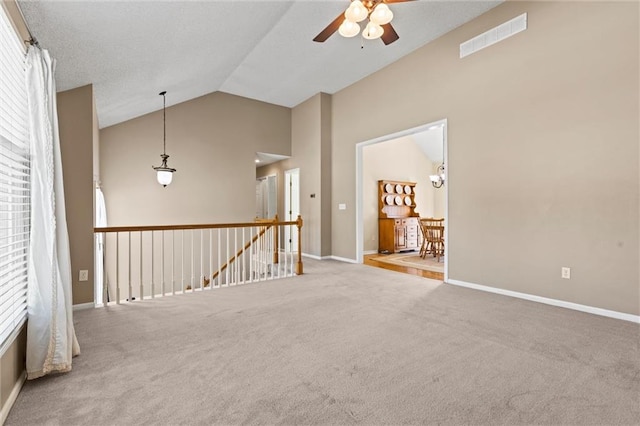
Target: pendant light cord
x,y
164,122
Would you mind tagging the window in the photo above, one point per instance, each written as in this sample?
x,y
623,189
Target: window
x,y
14,183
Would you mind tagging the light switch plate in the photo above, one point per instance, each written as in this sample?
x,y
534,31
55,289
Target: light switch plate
x,y
83,275
342,206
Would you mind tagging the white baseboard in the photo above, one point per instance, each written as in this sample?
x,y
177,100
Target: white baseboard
x,y
548,301
369,252
4,413
313,256
83,306
343,259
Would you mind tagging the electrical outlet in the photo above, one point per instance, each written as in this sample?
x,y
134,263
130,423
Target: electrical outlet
x,y
342,206
84,275
566,273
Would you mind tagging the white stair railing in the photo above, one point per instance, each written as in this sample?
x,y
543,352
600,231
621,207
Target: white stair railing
x,y
150,261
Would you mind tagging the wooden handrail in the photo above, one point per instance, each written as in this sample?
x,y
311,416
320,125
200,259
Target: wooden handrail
x,y
197,226
265,224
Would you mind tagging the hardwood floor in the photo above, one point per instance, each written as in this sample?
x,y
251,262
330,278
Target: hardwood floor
x,y
368,259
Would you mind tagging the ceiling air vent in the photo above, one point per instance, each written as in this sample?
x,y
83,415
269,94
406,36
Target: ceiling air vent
x,y
494,35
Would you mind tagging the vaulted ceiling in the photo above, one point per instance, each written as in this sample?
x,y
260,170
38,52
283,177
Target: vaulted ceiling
x,y
132,50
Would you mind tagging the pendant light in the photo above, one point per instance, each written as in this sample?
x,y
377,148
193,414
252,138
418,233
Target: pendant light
x,y
164,172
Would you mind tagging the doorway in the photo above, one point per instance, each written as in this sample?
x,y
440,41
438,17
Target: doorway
x,y
267,197
291,207
360,184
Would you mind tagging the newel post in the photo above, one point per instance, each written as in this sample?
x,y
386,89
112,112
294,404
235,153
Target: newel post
x,y
299,264
276,231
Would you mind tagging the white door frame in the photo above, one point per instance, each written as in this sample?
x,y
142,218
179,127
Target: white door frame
x,y
270,203
291,232
359,192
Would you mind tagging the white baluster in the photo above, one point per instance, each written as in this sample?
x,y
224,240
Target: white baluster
x,y
182,261
153,250
129,268
140,280
173,262
226,271
192,266
219,264
162,260
210,272
118,268
105,288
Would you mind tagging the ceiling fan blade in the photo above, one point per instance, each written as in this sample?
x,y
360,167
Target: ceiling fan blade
x,y
390,35
330,29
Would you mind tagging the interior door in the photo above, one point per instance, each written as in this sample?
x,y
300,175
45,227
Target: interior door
x,y
291,207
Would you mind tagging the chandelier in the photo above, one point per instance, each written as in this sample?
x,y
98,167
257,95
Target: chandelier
x,y
164,172
437,180
378,13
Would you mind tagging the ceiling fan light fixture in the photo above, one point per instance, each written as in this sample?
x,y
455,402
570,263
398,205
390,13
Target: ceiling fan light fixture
x,y
381,14
372,31
349,29
356,12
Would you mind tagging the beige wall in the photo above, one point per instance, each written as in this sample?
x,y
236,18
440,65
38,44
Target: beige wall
x,y
211,140
96,145
541,112
12,366
311,153
76,124
325,174
399,159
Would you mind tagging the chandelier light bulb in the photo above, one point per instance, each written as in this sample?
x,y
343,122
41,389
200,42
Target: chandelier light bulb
x,y
381,14
372,31
356,12
349,29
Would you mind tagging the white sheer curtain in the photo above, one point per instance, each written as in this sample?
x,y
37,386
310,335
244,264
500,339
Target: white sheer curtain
x,y
51,338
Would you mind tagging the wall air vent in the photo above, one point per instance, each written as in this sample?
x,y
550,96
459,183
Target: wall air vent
x,y
494,35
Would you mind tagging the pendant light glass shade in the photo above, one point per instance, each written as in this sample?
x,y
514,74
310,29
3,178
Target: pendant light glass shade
x,y
381,14
372,31
356,12
349,29
164,177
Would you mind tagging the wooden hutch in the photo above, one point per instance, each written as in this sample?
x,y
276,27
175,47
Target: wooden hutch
x,y
398,227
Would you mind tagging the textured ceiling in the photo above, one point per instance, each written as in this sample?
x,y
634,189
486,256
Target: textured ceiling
x,y
132,50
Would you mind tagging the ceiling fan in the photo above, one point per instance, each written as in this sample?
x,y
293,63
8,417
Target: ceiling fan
x,y
379,25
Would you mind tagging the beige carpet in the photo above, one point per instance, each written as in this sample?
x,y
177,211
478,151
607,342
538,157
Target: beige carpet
x,y
412,260
342,344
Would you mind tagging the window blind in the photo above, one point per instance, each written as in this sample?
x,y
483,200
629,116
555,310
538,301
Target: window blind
x,y
14,183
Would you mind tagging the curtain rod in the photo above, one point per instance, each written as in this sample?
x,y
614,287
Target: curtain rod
x,y
32,40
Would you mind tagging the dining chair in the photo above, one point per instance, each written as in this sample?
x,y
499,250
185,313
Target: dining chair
x,y
433,237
